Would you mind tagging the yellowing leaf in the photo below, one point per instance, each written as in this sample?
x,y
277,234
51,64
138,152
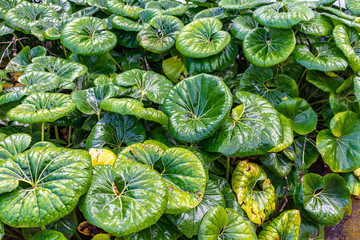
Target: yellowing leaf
x,y
102,156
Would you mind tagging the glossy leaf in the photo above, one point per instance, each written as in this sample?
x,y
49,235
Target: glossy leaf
x,y
216,12
318,26
114,130
324,82
339,145
101,157
202,38
127,8
288,135
25,57
88,36
242,25
48,235
130,195
267,48
42,185
125,24
168,7
241,4
174,68
257,202
14,144
197,106
353,6
249,131
322,199
279,164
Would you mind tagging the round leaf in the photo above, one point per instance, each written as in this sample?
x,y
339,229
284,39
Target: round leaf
x,y
257,202
88,36
279,164
125,24
48,235
302,117
318,26
197,107
267,48
102,157
130,195
174,68
42,185
339,146
127,8
168,7
242,25
14,144
202,38
241,4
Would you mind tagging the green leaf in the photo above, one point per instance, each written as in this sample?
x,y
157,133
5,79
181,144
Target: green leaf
x,y
5,30
261,81
220,223
65,69
182,171
267,48
345,100
2,230
353,6
249,131
127,8
174,68
283,15
126,24
189,222
88,101
160,36
95,64
23,15
288,135
202,38
302,117
73,119
34,82
218,13
322,199
257,201
339,146
285,226
48,235
219,61
42,107
197,106
353,183
318,26
278,163
242,25
324,82
130,195
348,41
42,185
168,7
25,57
148,84
88,36
114,130
325,57
241,4
129,106
6,5
161,230
14,144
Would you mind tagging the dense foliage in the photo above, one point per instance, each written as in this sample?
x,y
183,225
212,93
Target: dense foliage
x,y
140,119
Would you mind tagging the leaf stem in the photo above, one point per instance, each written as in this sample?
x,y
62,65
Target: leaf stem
x,y
69,138
43,228
227,168
42,131
64,50
22,46
56,133
112,59
98,114
30,128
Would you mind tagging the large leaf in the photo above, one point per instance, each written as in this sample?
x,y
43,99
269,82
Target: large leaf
x,y
14,144
262,81
181,170
129,106
254,128
125,24
353,183
324,82
88,101
114,131
202,38
220,223
348,41
197,106
25,57
48,235
88,36
125,8
318,26
42,185
168,7
219,61
285,226
216,12
160,36
302,117
322,199
95,64
42,107
278,163
130,195
257,201
267,48
6,5
23,15
34,82
288,135
283,15
241,4
150,85
174,68
325,57
353,6
303,151
340,146
189,222
67,70
242,25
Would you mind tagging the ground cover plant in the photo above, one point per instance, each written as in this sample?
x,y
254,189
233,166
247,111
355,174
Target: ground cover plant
x,y
139,119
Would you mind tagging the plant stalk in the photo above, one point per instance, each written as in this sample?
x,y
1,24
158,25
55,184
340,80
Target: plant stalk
x,y
227,168
56,133
64,50
42,131
22,46
112,59
69,138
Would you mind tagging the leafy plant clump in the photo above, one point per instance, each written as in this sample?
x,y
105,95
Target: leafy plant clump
x,y
141,119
